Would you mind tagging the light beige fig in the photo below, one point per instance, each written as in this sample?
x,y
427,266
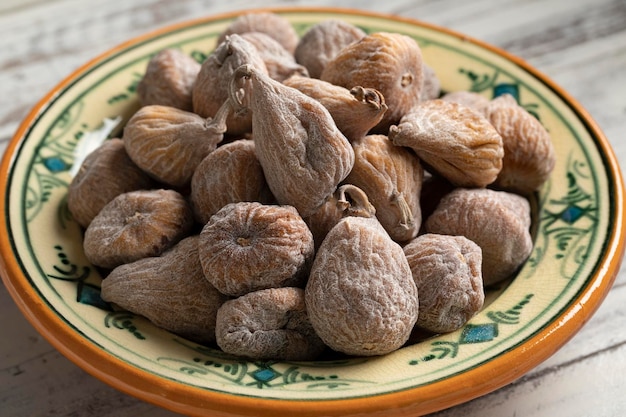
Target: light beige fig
x,y
361,297
323,41
303,154
211,88
447,272
271,24
169,143
169,290
347,200
388,62
391,176
104,174
355,111
431,89
136,225
169,79
529,155
249,246
453,140
497,221
279,62
268,324
471,99
230,174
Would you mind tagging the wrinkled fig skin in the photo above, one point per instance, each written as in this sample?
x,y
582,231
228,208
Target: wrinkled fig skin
x,y
347,200
230,174
361,296
448,275
475,101
104,174
269,23
323,41
529,155
268,324
168,80
497,221
303,154
279,62
391,176
452,139
169,143
355,111
431,89
169,290
211,88
397,73
249,246
136,225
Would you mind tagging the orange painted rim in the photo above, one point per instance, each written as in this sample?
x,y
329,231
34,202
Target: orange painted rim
x,y
425,399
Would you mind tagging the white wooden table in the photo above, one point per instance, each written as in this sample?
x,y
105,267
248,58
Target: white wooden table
x,y
580,44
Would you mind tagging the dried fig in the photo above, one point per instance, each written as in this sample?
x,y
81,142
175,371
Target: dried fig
x,y
448,275
303,154
474,101
348,200
391,176
323,41
497,221
211,88
268,324
279,62
432,86
169,290
355,111
230,174
169,143
361,296
388,62
249,246
168,80
454,140
104,174
271,24
136,225
529,155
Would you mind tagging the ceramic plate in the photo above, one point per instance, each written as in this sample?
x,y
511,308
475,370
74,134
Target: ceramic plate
x,y
578,247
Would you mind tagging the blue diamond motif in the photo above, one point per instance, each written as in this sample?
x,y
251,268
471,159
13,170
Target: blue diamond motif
x,y
479,333
55,164
264,375
571,214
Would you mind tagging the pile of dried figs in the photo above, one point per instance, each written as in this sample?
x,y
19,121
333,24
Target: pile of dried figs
x,y
291,195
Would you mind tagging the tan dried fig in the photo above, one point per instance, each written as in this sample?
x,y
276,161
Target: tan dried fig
x,y
168,80
453,140
169,143
391,176
104,174
529,156
322,41
169,290
303,154
448,275
249,246
497,221
388,62
431,89
361,296
279,62
136,225
268,324
348,200
211,88
355,111
269,23
471,99
230,174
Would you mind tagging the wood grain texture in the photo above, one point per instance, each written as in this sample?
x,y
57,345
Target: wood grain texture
x,y
580,45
